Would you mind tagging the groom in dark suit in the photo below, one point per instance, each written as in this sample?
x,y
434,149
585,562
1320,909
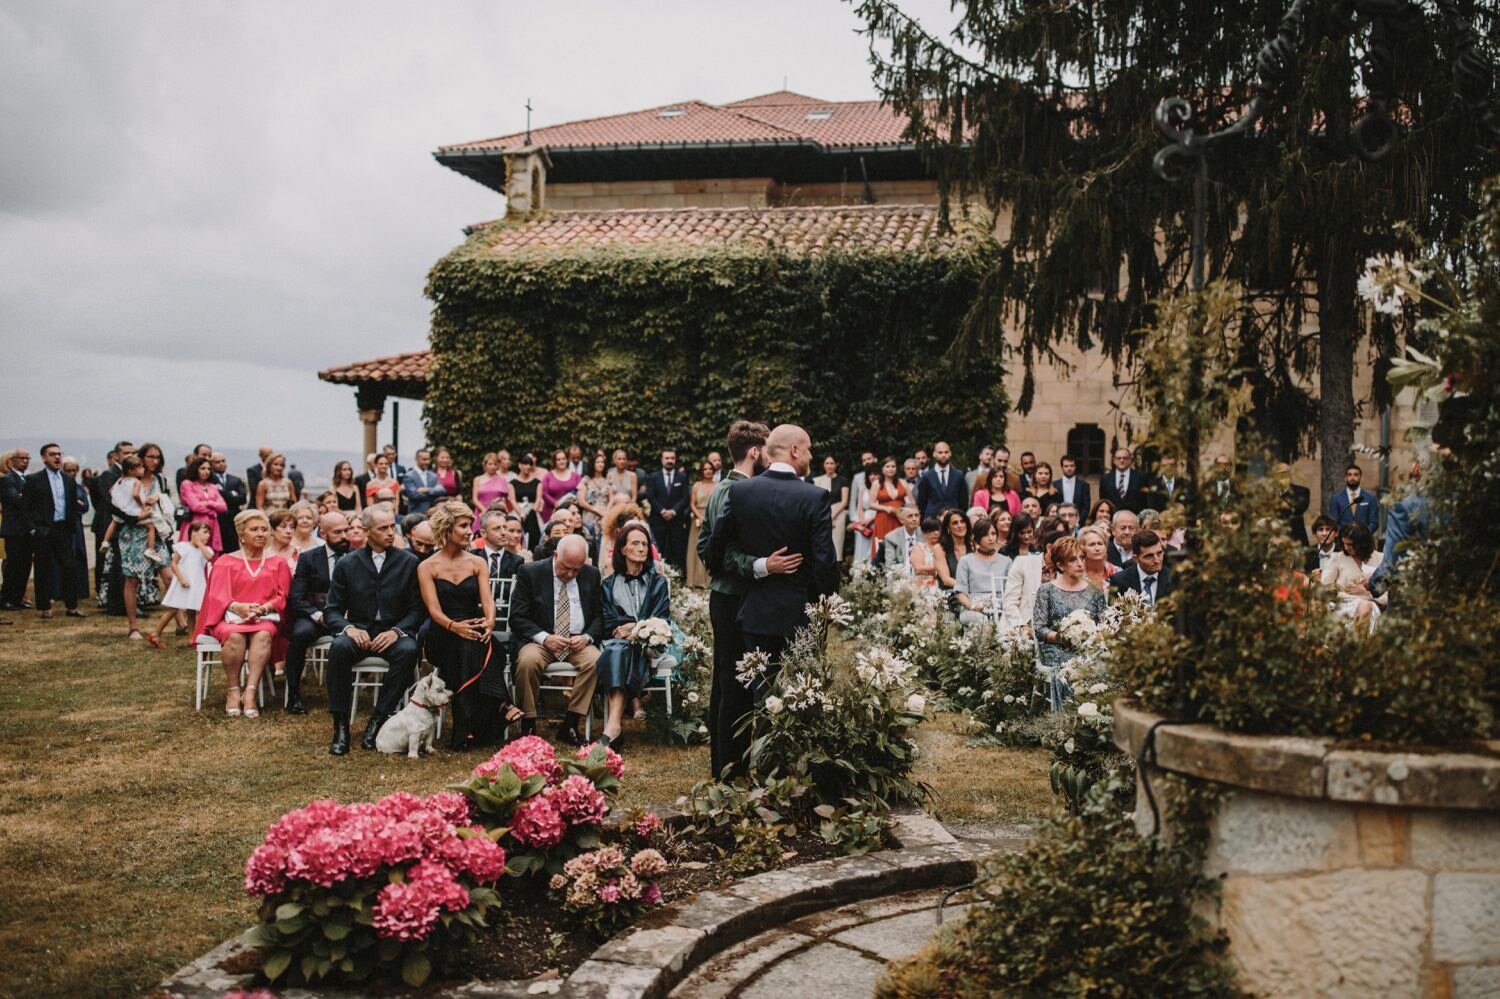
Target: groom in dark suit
x,y
777,513
942,486
374,608
667,492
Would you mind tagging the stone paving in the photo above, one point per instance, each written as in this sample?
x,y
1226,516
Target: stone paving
x,y
833,954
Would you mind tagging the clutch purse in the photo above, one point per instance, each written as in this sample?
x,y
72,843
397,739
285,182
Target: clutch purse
x,y
234,618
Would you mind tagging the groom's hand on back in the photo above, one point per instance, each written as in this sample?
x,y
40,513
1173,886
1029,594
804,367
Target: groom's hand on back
x,y
778,563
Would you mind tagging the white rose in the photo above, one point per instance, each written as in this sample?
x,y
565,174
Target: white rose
x,y
1000,727
702,729
1088,709
916,704
1068,746
692,697
773,704
1010,698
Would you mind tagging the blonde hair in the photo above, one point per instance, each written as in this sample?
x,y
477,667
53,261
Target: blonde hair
x,y
244,517
443,516
271,460
1095,531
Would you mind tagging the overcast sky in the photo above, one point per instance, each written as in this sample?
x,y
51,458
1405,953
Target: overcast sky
x,y
203,203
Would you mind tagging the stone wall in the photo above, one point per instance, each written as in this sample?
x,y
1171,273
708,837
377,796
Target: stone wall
x,y
1344,872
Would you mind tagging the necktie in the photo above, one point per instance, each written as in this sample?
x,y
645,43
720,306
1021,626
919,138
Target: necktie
x,y
494,563
943,477
1120,483
1148,587
562,624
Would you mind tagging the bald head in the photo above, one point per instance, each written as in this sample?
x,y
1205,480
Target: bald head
x,y
790,443
571,554
333,528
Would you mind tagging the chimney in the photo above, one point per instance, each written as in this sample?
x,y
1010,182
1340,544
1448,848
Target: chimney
x,y
526,179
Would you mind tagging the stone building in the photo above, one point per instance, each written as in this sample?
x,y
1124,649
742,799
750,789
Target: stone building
x,y
663,167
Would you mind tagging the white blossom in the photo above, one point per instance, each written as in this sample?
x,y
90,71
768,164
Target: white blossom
x,y
1069,746
916,704
1010,698
773,705
1088,709
1388,281
1098,688
752,667
692,697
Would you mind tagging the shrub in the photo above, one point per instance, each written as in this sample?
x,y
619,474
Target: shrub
x,y
692,681
349,889
609,887
544,810
1089,908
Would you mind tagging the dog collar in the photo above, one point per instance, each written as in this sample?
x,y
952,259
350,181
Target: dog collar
x,y
430,707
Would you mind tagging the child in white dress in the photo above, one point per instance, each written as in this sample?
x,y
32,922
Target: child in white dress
x,y
184,597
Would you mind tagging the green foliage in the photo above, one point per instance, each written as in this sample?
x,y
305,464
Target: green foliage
x,y
666,346
751,819
1090,908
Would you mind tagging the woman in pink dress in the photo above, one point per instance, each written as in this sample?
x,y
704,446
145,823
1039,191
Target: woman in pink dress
x,y
203,501
557,482
448,476
490,486
243,606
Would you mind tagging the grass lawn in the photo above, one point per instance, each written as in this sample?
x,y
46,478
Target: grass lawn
x,y
126,817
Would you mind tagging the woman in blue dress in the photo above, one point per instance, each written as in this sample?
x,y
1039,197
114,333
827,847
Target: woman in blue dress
x,y
635,592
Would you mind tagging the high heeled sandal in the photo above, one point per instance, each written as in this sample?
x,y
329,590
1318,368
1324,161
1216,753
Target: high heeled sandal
x,y
154,642
251,711
234,698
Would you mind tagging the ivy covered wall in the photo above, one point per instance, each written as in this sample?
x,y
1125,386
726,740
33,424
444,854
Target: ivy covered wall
x,y
651,347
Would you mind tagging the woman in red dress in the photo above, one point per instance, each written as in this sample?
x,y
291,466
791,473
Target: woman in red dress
x,y
886,498
242,608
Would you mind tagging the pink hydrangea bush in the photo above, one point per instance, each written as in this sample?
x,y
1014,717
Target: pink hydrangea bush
x,y
609,887
349,889
544,809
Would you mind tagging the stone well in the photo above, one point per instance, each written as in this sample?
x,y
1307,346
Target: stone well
x,y
1345,872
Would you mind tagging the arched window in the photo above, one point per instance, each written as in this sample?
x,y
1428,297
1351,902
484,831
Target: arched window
x,y
1086,443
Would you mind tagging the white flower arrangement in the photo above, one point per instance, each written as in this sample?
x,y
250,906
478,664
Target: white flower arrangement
x,y
752,667
1088,710
774,705
1077,628
882,669
652,634
916,704
831,609
1388,281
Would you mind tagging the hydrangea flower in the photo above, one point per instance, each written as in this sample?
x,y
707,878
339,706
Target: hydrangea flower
x,y
537,823
579,801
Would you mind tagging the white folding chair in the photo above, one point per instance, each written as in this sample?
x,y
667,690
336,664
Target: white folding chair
x,y
316,662
369,674
660,677
566,671
209,656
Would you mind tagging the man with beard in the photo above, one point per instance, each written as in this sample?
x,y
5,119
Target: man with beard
x,y
308,596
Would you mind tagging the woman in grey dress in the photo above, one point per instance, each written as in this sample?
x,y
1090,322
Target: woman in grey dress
x,y
1069,591
981,575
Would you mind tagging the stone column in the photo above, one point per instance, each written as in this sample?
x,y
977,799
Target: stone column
x,y
371,419
371,403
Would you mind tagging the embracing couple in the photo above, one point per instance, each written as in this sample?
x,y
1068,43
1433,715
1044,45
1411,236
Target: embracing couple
x,y
767,540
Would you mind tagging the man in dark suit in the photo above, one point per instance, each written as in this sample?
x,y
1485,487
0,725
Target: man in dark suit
x,y
232,488
776,513
1124,486
1295,500
1354,504
667,492
494,535
308,598
557,615
17,530
942,487
1121,548
256,472
374,608
1148,574
1072,487
1168,486
52,504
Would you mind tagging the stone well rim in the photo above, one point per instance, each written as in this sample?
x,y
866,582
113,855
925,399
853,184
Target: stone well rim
x,y
1314,767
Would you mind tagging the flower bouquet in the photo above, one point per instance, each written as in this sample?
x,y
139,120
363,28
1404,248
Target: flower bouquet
x,y
652,634
349,889
1077,628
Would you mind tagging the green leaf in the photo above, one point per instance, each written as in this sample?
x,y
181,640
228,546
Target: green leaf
x,y
287,910
335,931
276,964
415,969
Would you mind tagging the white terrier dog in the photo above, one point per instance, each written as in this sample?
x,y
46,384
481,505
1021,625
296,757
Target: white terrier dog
x,y
416,724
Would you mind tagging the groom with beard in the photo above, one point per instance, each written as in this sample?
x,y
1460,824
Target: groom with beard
x,y
308,596
771,519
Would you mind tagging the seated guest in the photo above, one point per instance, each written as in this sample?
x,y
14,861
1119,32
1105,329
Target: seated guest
x,y
1022,540
455,586
327,502
495,535
557,615
1070,590
1102,513
242,608
1068,514
515,537
309,595
1097,565
203,502
634,592
374,608
420,540
1349,572
955,545
923,558
283,530
305,526
557,528
356,533
981,576
1031,507
992,491
1027,573
1326,534
899,543
1147,573
1123,526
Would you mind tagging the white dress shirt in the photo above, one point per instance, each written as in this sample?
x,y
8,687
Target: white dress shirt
x,y
575,607
1066,486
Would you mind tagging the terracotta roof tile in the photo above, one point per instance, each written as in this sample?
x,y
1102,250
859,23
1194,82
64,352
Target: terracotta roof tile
x,y
778,97
810,230
685,122
840,123
392,368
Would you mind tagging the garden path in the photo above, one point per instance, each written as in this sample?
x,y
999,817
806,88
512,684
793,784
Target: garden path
x,y
834,954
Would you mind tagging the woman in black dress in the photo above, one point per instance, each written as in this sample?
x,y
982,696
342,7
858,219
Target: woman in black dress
x,y
525,497
455,586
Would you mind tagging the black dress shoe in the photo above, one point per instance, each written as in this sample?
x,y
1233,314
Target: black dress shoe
x,y
295,706
75,612
340,744
568,733
373,729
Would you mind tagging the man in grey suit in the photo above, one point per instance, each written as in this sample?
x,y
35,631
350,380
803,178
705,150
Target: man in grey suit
x,y
898,544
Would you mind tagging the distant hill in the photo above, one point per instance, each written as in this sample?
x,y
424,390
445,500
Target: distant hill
x,y
316,464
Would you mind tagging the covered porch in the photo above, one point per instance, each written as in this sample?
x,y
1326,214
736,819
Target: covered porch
x,y
395,376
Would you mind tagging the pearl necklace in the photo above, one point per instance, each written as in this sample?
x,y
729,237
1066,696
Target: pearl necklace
x,y
256,571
